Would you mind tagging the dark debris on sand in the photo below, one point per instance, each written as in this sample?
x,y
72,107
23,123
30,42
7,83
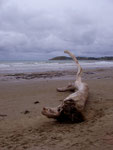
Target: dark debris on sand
x,y
26,112
36,102
35,75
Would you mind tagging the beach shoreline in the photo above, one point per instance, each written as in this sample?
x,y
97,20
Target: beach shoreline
x,y
88,73
22,97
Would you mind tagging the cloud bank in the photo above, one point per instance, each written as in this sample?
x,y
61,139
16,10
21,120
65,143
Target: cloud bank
x,y
41,29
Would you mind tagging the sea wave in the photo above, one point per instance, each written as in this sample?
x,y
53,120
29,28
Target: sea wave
x,y
40,66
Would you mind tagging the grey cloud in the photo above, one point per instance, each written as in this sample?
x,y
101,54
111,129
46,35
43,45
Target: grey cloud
x,y
40,30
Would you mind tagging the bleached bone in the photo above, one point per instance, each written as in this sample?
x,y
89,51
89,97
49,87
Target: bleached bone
x,y
72,106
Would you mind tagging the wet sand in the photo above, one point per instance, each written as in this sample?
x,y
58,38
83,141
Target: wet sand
x,y
22,97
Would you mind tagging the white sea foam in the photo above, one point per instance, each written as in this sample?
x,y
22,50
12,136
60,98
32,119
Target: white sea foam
x,y
40,66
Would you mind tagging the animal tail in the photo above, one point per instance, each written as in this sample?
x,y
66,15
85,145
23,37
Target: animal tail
x,y
79,72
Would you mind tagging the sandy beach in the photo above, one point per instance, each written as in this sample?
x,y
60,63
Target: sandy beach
x,y
22,126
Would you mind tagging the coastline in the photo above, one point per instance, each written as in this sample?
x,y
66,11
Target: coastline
x,y
88,73
22,97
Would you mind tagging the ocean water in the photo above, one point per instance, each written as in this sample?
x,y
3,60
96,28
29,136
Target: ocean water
x,y
41,66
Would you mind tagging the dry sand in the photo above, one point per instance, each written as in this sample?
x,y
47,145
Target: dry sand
x,y
23,127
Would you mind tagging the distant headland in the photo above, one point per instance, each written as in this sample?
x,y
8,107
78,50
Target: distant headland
x,y
82,58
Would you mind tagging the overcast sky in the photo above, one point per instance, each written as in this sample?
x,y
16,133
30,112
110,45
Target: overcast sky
x,y
41,29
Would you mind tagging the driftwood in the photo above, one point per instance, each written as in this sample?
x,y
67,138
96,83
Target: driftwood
x,y
72,107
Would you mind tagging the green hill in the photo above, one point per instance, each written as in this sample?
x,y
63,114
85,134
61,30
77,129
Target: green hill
x,y
82,58
61,58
